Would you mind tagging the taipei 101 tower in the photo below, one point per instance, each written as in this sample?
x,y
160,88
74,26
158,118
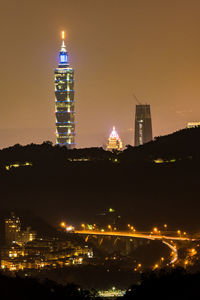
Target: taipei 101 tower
x,y
64,92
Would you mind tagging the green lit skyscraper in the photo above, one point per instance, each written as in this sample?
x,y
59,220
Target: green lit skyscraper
x,y
64,92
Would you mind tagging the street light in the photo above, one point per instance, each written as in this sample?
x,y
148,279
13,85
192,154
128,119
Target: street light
x,y
133,228
63,224
186,262
155,230
156,266
110,227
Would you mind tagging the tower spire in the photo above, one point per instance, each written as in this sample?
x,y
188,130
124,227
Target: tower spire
x,y
63,47
63,56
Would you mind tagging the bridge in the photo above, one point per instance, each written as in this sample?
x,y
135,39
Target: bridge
x,y
133,235
165,239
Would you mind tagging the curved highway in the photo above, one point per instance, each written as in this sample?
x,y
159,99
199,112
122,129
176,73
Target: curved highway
x,y
165,239
174,250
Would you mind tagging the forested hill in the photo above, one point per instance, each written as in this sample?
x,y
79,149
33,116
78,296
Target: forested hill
x,y
47,152
180,145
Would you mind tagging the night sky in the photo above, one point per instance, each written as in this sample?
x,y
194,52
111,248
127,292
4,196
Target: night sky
x,y
147,47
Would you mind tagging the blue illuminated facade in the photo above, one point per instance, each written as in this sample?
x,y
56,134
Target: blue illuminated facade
x,y
63,57
64,92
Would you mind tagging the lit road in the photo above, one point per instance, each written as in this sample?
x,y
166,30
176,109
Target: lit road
x,y
174,250
133,235
165,239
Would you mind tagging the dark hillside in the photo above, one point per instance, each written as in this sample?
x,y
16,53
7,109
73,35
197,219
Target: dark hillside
x,y
183,144
146,193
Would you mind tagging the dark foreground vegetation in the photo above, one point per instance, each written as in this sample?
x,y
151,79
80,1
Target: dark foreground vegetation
x,y
166,285
31,289
88,276
162,284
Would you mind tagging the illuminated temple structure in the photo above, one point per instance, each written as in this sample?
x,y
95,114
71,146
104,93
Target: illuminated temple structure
x,y
64,93
114,141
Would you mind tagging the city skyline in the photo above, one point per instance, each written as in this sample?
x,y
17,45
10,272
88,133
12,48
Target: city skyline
x,y
160,64
99,149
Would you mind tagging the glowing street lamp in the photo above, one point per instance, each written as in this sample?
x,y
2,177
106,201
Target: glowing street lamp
x,y
63,225
155,266
186,263
133,228
155,230
193,251
83,226
109,227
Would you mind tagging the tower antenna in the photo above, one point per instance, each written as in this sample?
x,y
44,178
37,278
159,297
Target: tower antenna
x,y
134,96
63,35
63,47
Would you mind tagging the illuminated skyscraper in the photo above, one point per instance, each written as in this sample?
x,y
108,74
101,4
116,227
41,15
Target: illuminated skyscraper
x,y
14,234
114,141
12,228
64,92
143,127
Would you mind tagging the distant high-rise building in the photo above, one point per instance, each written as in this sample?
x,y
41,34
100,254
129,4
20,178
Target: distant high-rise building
x,y
14,234
12,228
64,92
143,126
193,124
114,141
